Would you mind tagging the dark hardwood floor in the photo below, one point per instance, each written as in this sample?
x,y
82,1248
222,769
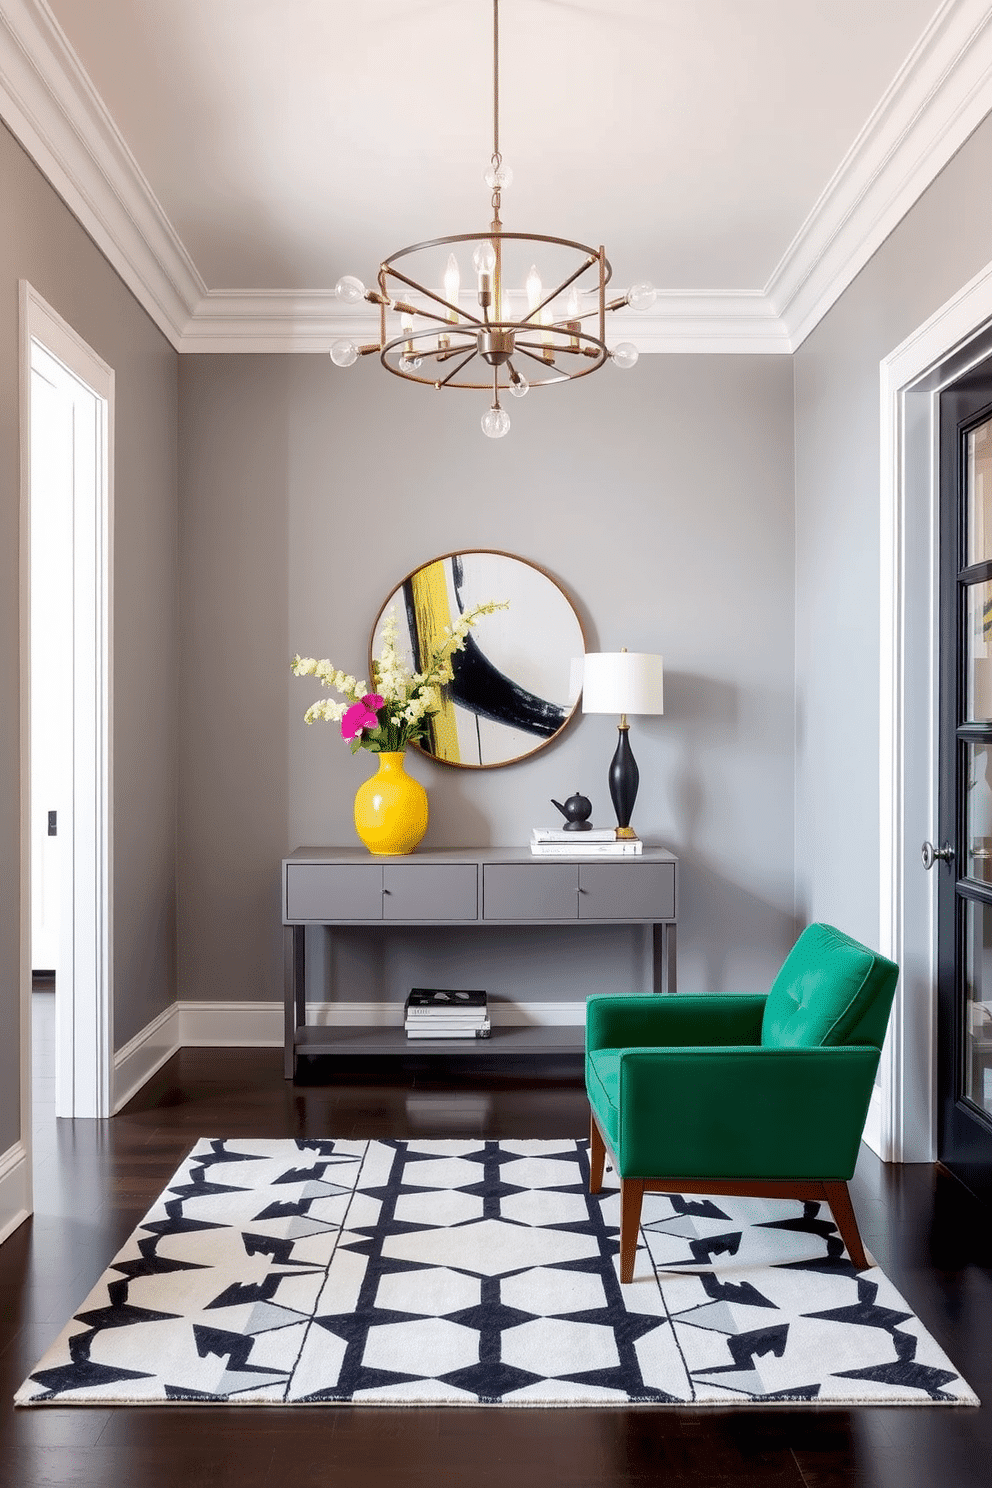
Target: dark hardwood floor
x,y
96,1179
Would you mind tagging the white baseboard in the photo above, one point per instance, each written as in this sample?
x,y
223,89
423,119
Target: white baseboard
x,y
138,1060
248,1025
872,1136
390,1014
204,1025
225,1025
15,1193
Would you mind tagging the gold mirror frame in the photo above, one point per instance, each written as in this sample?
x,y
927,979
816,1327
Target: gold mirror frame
x,y
512,680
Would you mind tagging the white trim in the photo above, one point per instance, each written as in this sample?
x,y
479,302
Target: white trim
x,y
910,380
872,1135
235,1025
249,1025
84,1031
310,321
50,105
15,1189
24,705
545,1014
145,1054
937,99
260,1024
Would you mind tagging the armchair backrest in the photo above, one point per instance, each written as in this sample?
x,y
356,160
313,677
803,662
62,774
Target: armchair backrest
x,y
831,990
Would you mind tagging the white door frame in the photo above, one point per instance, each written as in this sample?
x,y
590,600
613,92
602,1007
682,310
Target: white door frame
x,y
902,1124
84,1019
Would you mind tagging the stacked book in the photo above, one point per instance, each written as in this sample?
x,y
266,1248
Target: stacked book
x,y
556,842
434,1013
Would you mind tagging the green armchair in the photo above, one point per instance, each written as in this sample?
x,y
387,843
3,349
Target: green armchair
x,y
729,1093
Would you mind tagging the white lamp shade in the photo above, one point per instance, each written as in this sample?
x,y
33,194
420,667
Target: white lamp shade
x,y
622,682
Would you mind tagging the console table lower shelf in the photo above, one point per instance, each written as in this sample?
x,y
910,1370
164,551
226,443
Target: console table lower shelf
x,y
507,1040
505,890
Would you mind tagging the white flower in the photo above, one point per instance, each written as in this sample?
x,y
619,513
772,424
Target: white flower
x,y
408,697
325,710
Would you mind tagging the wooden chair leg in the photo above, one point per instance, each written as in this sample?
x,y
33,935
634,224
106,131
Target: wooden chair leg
x,y
631,1194
597,1156
839,1199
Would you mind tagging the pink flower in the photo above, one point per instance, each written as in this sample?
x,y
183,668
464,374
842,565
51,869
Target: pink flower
x,y
361,716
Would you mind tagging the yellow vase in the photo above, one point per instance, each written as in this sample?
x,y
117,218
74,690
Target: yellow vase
x,y
391,809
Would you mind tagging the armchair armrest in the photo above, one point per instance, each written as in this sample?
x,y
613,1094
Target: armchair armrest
x,y
692,1018
743,1112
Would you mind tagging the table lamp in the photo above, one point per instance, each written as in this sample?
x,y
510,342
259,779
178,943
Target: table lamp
x,y
623,682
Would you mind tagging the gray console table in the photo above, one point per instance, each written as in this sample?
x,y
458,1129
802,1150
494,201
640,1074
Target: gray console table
x,y
344,886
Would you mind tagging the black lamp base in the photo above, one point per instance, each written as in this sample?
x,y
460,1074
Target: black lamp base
x,y
624,779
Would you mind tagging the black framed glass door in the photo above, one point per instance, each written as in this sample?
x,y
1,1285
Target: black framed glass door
x,y
963,856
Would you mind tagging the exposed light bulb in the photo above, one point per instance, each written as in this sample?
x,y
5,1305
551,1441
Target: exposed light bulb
x,y
495,422
624,355
519,386
350,289
498,177
484,258
572,304
409,360
344,353
534,288
641,296
452,280
547,340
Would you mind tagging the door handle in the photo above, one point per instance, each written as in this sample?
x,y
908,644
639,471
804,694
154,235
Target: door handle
x,y
930,854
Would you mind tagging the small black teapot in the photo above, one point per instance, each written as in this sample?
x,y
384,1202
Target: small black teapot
x,y
577,810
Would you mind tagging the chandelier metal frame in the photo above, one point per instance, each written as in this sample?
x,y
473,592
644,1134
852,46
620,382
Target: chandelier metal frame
x,y
494,340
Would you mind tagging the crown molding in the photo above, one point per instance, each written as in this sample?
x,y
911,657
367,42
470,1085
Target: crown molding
x,y
52,108
939,96
310,321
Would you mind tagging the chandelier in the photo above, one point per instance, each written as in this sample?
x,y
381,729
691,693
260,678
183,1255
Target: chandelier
x,y
521,334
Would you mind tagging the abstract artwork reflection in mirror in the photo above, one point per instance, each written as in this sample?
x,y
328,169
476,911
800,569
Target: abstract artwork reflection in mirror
x,y
510,692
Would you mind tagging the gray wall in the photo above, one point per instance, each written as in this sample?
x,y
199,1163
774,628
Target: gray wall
x,y
661,499
43,243
941,244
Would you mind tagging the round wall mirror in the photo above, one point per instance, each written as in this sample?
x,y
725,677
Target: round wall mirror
x,y
510,693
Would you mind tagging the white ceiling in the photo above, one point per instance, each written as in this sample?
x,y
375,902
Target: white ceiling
x,y
720,148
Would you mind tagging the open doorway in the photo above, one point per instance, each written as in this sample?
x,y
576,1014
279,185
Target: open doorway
x,y
67,397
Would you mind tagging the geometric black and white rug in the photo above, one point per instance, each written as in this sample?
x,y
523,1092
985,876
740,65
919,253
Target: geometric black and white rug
x,y
471,1272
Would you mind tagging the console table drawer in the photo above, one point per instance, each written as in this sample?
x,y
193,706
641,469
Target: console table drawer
x,y
333,891
430,891
626,891
529,891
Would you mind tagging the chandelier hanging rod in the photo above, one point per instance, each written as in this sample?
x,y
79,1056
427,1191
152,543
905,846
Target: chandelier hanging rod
x,y
496,154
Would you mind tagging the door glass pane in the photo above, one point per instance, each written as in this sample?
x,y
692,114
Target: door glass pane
x,y
978,811
979,493
977,1005
978,653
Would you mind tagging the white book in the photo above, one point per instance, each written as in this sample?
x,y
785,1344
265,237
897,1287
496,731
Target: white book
x,y
627,847
449,1033
467,1024
426,1015
445,1023
558,834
